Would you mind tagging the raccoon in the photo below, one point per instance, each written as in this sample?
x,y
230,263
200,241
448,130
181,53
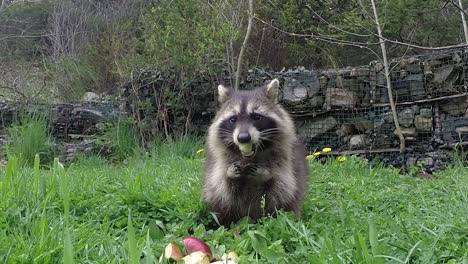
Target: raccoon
x,y
255,161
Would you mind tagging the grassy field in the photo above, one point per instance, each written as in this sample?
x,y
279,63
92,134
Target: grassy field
x,y
97,212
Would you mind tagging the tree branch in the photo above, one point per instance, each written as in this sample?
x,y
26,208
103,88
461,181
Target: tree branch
x,y
361,44
459,7
326,38
244,44
389,82
463,14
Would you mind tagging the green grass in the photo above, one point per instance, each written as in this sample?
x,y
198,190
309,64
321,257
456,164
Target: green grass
x,y
30,136
98,212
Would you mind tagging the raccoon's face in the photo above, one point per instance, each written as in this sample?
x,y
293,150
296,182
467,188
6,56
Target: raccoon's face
x,y
248,121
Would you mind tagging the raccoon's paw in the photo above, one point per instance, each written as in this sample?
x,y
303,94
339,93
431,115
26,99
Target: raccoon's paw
x,y
250,170
234,171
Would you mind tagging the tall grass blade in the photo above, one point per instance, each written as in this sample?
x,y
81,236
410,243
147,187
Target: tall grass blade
x,y
362,249
332,251
12,169
37,176
149,256
374,241
59,172
133,256
407,260
68,248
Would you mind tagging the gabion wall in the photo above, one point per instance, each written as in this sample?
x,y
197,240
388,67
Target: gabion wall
x,y
348,109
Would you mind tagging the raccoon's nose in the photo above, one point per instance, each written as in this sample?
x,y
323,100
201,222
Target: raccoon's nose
x,y
244,137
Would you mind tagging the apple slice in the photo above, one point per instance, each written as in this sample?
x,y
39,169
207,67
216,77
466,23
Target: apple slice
x,y
230,256
197,257
172,251
246,148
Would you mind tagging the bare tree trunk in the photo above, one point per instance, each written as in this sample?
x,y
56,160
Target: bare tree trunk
x,y
2,5
387,77
244,44
465,27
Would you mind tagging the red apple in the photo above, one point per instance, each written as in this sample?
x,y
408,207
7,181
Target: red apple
x,y
193,244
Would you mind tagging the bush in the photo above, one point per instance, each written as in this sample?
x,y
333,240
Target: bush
x,y
185,35
20,20
74,78
29,137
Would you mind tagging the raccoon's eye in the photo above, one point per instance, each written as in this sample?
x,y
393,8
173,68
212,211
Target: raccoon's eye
x,y
232,119
256,117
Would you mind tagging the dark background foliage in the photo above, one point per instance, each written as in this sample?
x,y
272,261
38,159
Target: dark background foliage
x,y
61,49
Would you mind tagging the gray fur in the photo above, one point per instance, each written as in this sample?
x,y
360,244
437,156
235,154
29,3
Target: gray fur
x,y
234,186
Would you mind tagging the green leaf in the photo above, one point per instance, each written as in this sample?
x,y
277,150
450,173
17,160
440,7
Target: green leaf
x,y
258,240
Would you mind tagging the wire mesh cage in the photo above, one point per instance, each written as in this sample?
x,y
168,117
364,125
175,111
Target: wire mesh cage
x,y
348,109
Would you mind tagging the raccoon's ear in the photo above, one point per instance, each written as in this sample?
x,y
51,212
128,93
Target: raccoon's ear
x,y
223,93
272,90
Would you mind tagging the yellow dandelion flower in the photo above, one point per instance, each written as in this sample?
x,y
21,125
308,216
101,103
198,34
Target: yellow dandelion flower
x,y
326,150
200,151
309,157
316,154
342,158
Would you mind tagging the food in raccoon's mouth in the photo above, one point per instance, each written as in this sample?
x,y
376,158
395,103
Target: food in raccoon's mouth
x,y
246,149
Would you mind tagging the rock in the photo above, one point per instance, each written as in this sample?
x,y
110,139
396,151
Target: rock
x,y
314,128
388,117
293,91
363,124
406,117
410,162
408,132
90,115
72,151
300,84
425,112
423,123
316,101
340,97
442,73
455,107
462,131
409,88
415,109
427,162
90,97
345,130
358,141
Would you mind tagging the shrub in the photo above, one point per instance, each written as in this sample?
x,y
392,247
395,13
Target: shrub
x,y
31,136
74,78
185,35
21,30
